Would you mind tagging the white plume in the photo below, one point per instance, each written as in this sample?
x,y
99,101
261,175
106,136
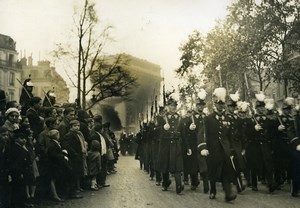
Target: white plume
x,y
202,94
289,101
243,106
260,97
220,94
235,97
269,103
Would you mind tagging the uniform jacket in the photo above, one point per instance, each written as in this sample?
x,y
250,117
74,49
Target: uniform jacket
x,y
170,146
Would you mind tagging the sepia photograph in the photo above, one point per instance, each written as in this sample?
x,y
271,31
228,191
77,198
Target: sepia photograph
x,y
149,104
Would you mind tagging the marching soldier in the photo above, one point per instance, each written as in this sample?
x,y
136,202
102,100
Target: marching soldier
x,y
194,162
259,147
216,146
286,148
170,149
295,154
159,123
237,145
26,95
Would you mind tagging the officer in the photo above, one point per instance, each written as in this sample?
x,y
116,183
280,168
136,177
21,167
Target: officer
x,y
215,144
170,148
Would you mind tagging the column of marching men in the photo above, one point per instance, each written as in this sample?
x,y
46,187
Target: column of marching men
x,y
51,152
237,145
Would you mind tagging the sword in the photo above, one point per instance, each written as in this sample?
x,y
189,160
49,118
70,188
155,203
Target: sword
x,y
233,165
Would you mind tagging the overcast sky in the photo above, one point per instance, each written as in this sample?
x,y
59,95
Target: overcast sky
x,y
148,29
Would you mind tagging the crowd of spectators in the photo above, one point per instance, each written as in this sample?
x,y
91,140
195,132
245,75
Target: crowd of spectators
x,y
52,151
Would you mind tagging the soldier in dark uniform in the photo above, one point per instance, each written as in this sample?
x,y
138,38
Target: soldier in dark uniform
x,y
159,123
26,95
259,147
215,144
237,143
295,154
282,157
170,148
193,161
243,122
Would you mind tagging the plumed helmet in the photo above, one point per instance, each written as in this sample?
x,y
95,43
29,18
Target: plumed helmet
x,y
288,103
171,101
233,99
200,100
219,95
260,97
269,103
243,106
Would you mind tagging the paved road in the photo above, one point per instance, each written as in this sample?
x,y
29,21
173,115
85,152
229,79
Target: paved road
x,y
131,188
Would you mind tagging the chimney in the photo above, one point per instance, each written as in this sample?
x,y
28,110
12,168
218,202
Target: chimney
x,y
30,60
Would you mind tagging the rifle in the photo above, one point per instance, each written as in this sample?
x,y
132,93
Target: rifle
x,y
47,97
29,95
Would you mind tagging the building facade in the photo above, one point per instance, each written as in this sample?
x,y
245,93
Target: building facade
x,y
10,70
44,78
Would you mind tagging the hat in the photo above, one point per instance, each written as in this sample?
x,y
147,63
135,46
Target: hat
x,y
98,118
28,83
82,114
72,122
288,103
200,100
269,103
172,101
260,97
11,110
19,133
53,133
219,95
233,99
243,106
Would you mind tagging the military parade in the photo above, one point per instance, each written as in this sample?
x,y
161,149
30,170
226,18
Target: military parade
x,y
149,104
235,145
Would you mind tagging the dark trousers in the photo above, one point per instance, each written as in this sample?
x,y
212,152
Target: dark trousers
x,y
295,187
101,177
5,194
18,194
158,176
166,179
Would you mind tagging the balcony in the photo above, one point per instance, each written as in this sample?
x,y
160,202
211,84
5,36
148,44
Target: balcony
x,y
4,63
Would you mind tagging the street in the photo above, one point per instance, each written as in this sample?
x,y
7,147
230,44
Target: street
x,y
130,187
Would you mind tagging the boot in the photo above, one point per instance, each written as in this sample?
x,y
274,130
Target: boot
x,y
229,195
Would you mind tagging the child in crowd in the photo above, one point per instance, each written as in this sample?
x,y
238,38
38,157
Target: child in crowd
x,y
94,163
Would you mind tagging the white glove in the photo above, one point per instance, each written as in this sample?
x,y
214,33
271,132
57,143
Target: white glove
x,y
66,158
189,152
204,152
243,152
167,126
281,127
258,127
65,151
298,147
192,126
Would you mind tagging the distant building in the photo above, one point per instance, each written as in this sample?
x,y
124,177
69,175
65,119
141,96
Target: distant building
x,y
45,78
10,71
134,111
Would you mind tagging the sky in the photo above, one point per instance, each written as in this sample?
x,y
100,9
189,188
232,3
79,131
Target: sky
x,y
151,30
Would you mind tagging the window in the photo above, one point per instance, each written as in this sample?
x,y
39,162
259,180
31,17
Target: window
x,y
11,79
